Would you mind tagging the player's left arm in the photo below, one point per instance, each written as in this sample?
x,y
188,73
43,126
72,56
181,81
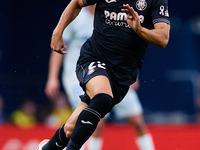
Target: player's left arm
x,y
159,36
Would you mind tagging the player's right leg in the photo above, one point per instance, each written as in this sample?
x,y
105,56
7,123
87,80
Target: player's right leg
x,y
144,139
131,109
63,134
95,142
99,91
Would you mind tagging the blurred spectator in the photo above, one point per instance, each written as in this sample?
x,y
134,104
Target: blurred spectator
x,y
24,117
61,111
2,115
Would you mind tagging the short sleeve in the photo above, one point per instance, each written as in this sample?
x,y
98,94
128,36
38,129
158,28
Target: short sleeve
x,y
160,11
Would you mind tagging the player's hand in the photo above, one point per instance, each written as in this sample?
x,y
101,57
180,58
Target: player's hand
x,y
52,88
57,44
132,17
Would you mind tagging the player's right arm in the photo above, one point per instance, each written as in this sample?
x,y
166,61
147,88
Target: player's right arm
x,y
53,84
68,15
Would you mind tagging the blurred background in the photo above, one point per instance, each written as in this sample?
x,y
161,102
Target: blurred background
x,y
169,80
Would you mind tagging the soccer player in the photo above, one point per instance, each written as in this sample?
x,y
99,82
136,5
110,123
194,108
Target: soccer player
x,y
130,108
109,61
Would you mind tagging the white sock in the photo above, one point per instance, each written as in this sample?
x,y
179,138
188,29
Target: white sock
x,y
145,142
95,143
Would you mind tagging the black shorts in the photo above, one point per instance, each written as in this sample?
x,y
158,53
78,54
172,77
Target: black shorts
x,y
89,70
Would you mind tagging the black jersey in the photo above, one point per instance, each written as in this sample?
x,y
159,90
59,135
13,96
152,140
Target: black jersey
x,y
114,42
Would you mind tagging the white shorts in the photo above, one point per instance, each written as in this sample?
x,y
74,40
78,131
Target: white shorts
x,y
129,106
72,89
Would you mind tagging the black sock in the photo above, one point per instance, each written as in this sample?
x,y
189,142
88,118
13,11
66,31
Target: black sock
x,y
58,141
88,119
85,126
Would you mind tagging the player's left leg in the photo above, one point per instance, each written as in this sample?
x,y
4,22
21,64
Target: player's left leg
x,y
138,123
131,109
144,138
63,134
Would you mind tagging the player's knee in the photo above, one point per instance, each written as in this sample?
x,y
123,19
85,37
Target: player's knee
x,y
137,122
102,103
68,128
